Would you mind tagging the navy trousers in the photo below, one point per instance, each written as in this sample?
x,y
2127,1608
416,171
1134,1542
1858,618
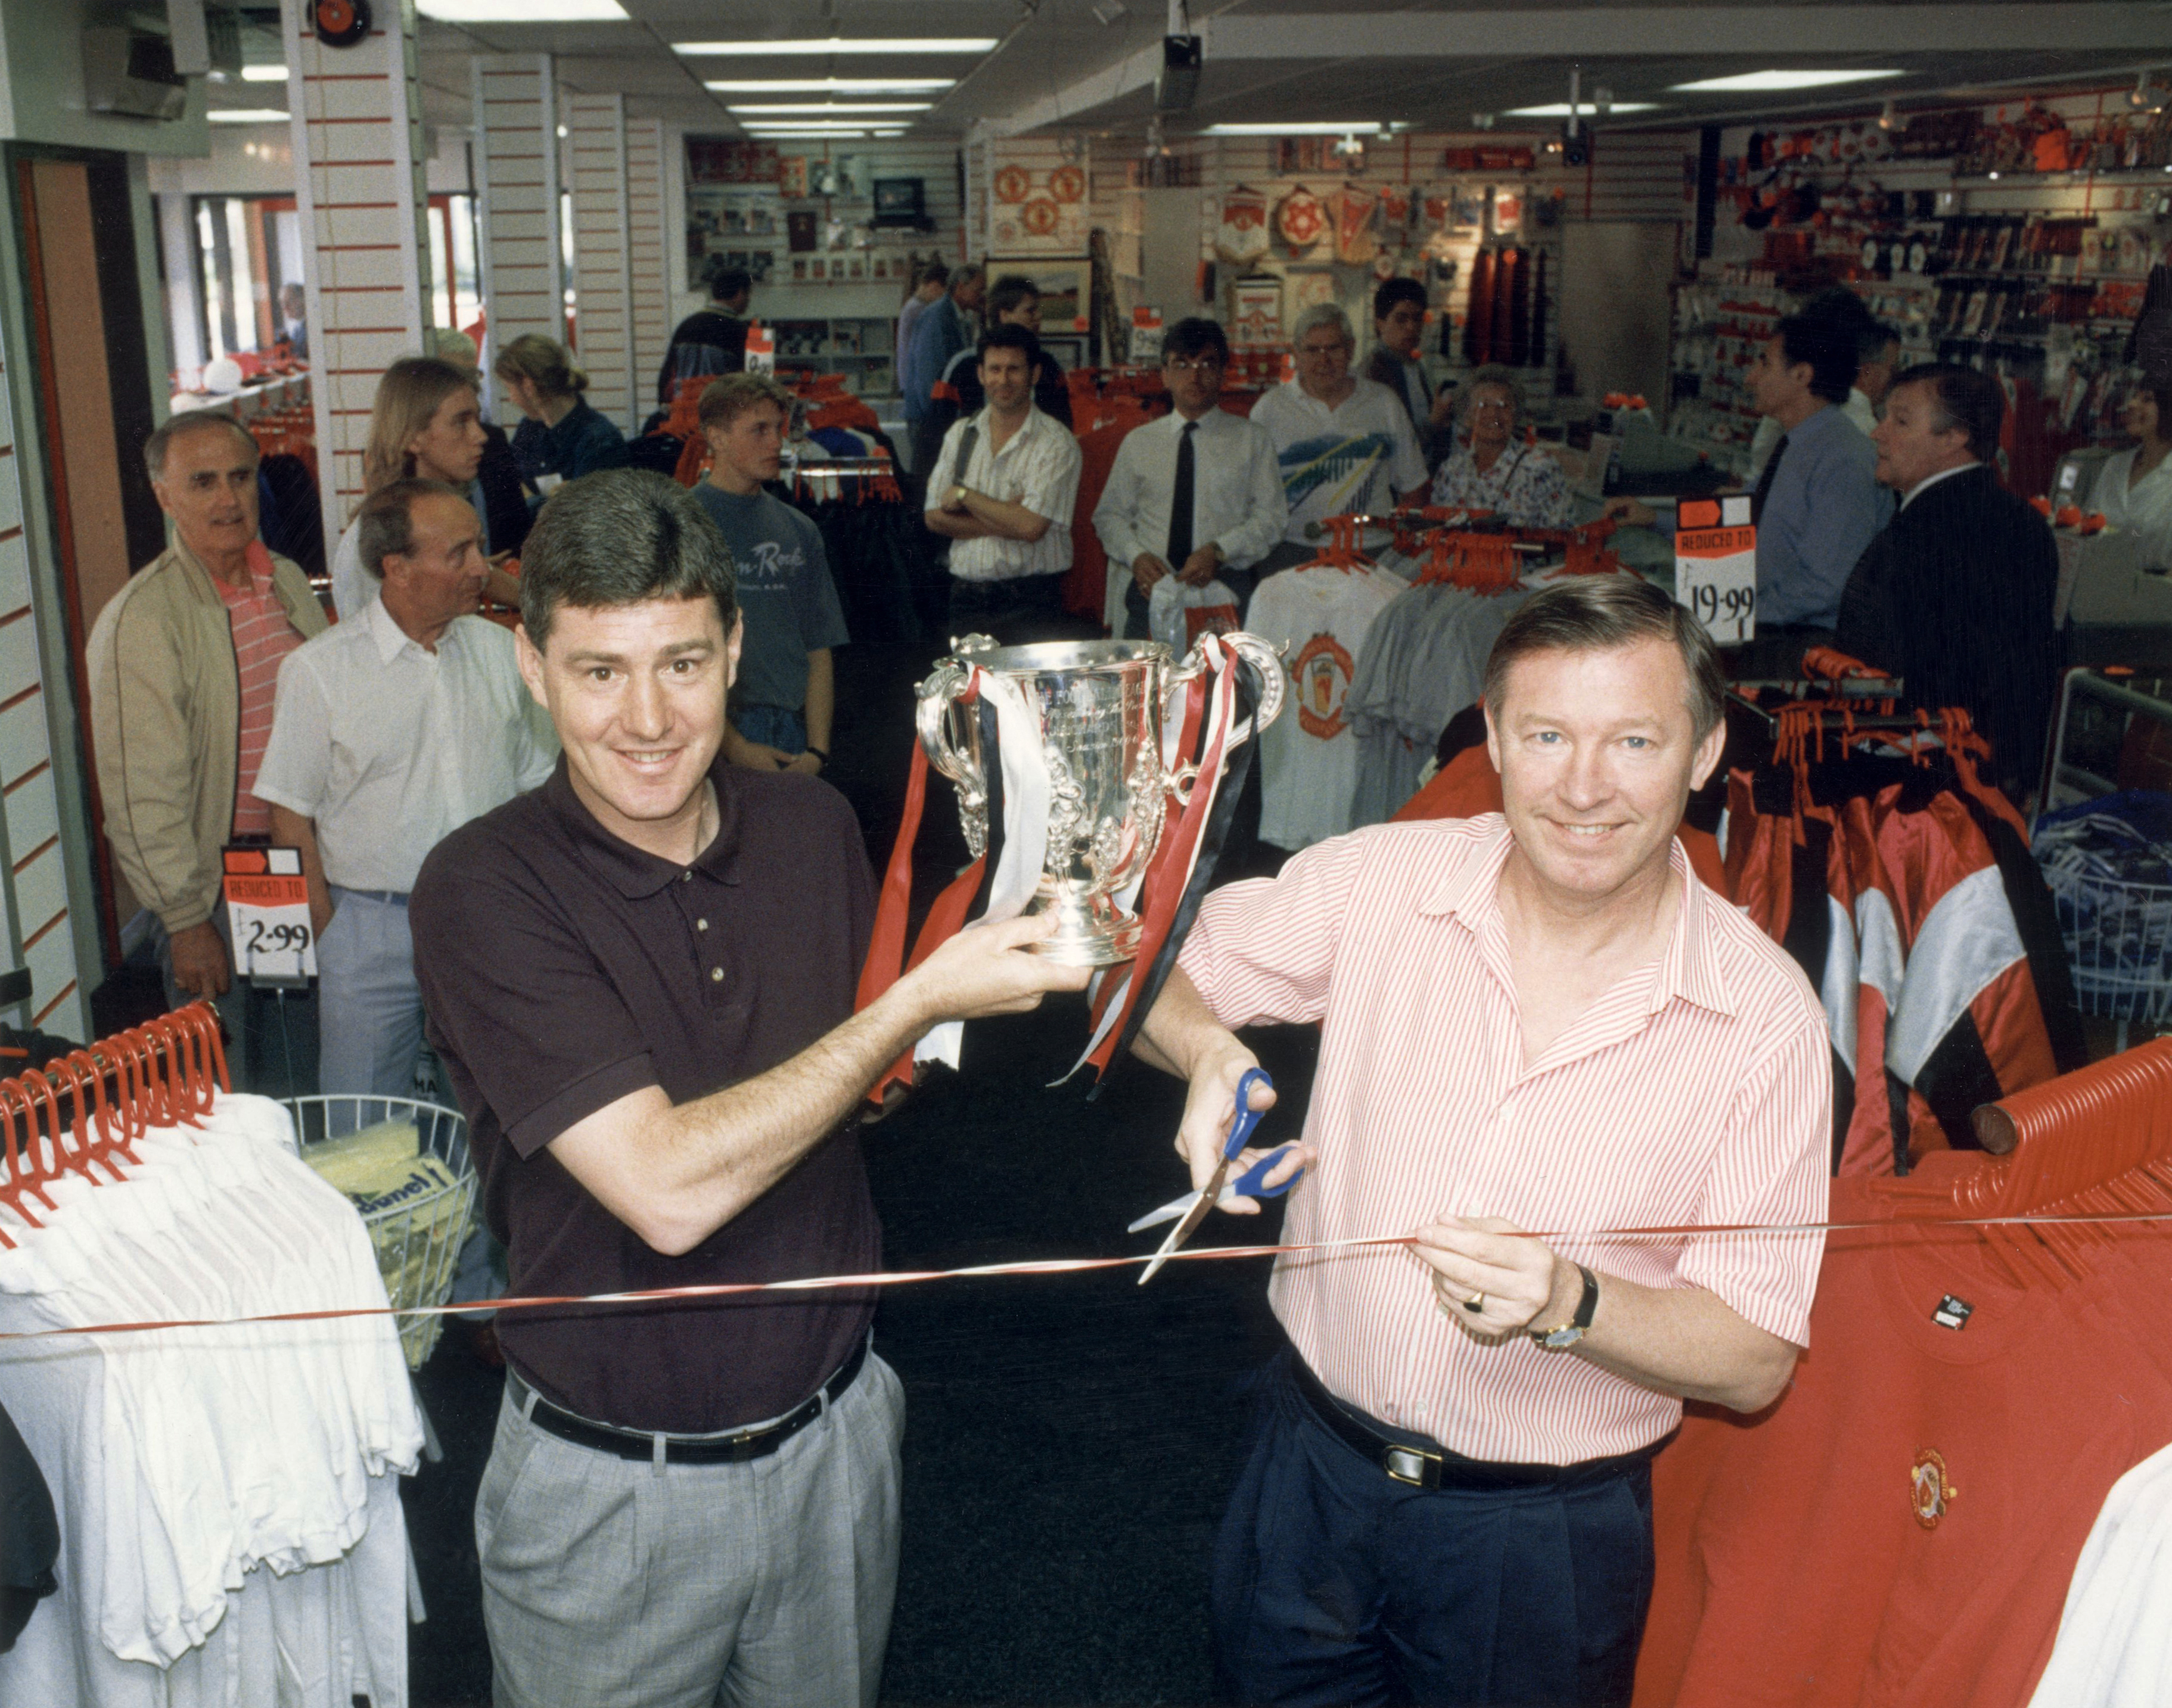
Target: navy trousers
x,y
1335,1584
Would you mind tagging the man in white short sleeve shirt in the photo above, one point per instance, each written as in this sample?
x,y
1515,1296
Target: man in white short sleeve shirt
x,y
1345,443
1002,492
390,731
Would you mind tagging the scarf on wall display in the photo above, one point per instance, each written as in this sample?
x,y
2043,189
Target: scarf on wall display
x,y
1478,314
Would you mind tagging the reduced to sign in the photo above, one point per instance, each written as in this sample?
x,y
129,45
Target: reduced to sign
x,y
1716,566
267,908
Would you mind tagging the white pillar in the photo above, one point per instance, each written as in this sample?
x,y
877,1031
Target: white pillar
x,y
648,254
358,185
603,282
516,163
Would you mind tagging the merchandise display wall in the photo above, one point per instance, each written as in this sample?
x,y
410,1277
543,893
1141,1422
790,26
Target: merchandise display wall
x,y
2015,238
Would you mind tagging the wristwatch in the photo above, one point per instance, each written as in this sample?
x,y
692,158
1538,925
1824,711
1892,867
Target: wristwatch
x,y
957,496
1577,1327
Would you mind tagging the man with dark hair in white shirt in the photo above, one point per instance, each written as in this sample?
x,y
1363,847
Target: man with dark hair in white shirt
x,y
1196,494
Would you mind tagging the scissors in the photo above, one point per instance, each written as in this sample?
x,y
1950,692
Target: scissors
x,y
1192,1207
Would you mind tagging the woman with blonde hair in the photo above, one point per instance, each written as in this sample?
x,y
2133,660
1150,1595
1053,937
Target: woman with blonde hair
x,y
573,439
425,423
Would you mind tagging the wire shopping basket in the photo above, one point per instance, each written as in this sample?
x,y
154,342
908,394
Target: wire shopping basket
x,y
2119,942
418,1226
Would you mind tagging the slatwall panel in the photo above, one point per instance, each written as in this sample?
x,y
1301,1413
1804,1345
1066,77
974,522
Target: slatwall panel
x,y
1637,177
34,909
648,252
516,146
603,282
357,124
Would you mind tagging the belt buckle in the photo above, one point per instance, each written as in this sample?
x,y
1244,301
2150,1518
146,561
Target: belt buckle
x,y
1413,1465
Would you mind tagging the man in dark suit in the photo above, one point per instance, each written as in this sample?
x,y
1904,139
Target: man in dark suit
x,y
1956,594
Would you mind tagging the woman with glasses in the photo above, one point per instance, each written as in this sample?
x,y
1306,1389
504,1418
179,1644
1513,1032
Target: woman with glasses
x,y
1518,482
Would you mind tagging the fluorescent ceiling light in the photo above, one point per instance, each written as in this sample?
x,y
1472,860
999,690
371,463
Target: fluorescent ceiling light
x,y
246,116
831,85
1759,82
759,127
264,73
1357,127
1559,110
818,108
521,11
800,50
808,135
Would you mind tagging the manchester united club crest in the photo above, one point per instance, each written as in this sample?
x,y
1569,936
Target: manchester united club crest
x,y
1321,671
1929,1493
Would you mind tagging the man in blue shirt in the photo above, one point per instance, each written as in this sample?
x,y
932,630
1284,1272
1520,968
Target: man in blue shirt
x,y
939,335
1817,503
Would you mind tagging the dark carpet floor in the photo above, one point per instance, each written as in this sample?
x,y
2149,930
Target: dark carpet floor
x,y
1070,1441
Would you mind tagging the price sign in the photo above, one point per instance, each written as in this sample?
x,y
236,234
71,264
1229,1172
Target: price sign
x,y
267,907
1716,566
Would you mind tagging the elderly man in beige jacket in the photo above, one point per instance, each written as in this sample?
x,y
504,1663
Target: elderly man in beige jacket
x,y
183,662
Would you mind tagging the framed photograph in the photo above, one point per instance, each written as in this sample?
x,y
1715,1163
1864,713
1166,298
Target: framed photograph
x,y
792,175
819,268
901,202
1067,294
799,270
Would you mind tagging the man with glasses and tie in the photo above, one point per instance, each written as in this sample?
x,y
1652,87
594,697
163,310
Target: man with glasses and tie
x,y
1196,494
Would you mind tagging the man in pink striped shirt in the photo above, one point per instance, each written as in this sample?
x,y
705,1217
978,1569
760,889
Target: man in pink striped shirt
x,y
1537,1028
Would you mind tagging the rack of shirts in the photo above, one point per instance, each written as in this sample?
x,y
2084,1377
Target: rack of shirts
x,y
231,1530
1901,1526
1870,847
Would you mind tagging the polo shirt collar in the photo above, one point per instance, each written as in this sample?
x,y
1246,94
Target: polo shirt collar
x,y
1688,969
634,873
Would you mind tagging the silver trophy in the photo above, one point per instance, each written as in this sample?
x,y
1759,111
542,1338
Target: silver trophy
x,y
1099,706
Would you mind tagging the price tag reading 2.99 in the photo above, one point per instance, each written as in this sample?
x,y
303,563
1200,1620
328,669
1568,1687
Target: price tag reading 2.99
x,y
1716,567
267,907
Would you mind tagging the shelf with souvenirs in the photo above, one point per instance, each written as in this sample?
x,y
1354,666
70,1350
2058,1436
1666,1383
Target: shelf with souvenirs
x,y
861,348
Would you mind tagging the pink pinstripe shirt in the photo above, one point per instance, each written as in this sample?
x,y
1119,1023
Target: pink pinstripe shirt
x,y
1695,1091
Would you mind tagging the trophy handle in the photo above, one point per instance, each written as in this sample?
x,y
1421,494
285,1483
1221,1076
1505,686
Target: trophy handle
x,y
936,715
1266,661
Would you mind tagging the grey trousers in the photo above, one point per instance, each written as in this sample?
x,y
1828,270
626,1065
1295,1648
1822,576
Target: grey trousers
x,y
370,1006
620,1583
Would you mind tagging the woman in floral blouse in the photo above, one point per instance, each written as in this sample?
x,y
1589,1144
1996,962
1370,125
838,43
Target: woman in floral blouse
x,y
1492,469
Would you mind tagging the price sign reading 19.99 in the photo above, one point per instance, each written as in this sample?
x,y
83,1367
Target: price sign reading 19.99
x,y
1716,566
267,907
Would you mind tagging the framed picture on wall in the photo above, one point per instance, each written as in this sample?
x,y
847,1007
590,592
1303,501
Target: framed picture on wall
x,y
1067,293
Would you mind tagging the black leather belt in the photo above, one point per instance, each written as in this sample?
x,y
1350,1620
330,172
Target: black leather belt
x,y
1435,1468
731,1448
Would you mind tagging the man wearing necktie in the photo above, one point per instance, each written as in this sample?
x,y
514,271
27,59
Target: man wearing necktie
x,y
1196,494
1817,503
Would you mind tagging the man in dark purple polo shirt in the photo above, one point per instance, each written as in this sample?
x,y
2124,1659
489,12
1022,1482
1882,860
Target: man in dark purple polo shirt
x,y
641,978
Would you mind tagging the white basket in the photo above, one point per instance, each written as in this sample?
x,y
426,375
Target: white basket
x,y
418,1240
2119,942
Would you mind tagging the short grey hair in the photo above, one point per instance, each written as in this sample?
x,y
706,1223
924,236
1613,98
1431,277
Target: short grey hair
x,y
385,524
1494,373
622,537
1597,614
1323,314
182,426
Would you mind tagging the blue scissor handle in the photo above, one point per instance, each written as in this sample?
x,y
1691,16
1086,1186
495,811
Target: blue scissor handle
x,y
1247,1117
1248,1184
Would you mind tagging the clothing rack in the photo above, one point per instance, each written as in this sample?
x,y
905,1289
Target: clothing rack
x,y
164,1073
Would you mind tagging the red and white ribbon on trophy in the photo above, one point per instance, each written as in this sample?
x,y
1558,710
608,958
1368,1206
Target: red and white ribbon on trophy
x,y
1204,755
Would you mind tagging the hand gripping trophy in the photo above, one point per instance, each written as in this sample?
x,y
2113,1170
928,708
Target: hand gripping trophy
x,y
1106,766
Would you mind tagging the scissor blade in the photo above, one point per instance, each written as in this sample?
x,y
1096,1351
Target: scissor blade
x,y
1192,1217
1167,1212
